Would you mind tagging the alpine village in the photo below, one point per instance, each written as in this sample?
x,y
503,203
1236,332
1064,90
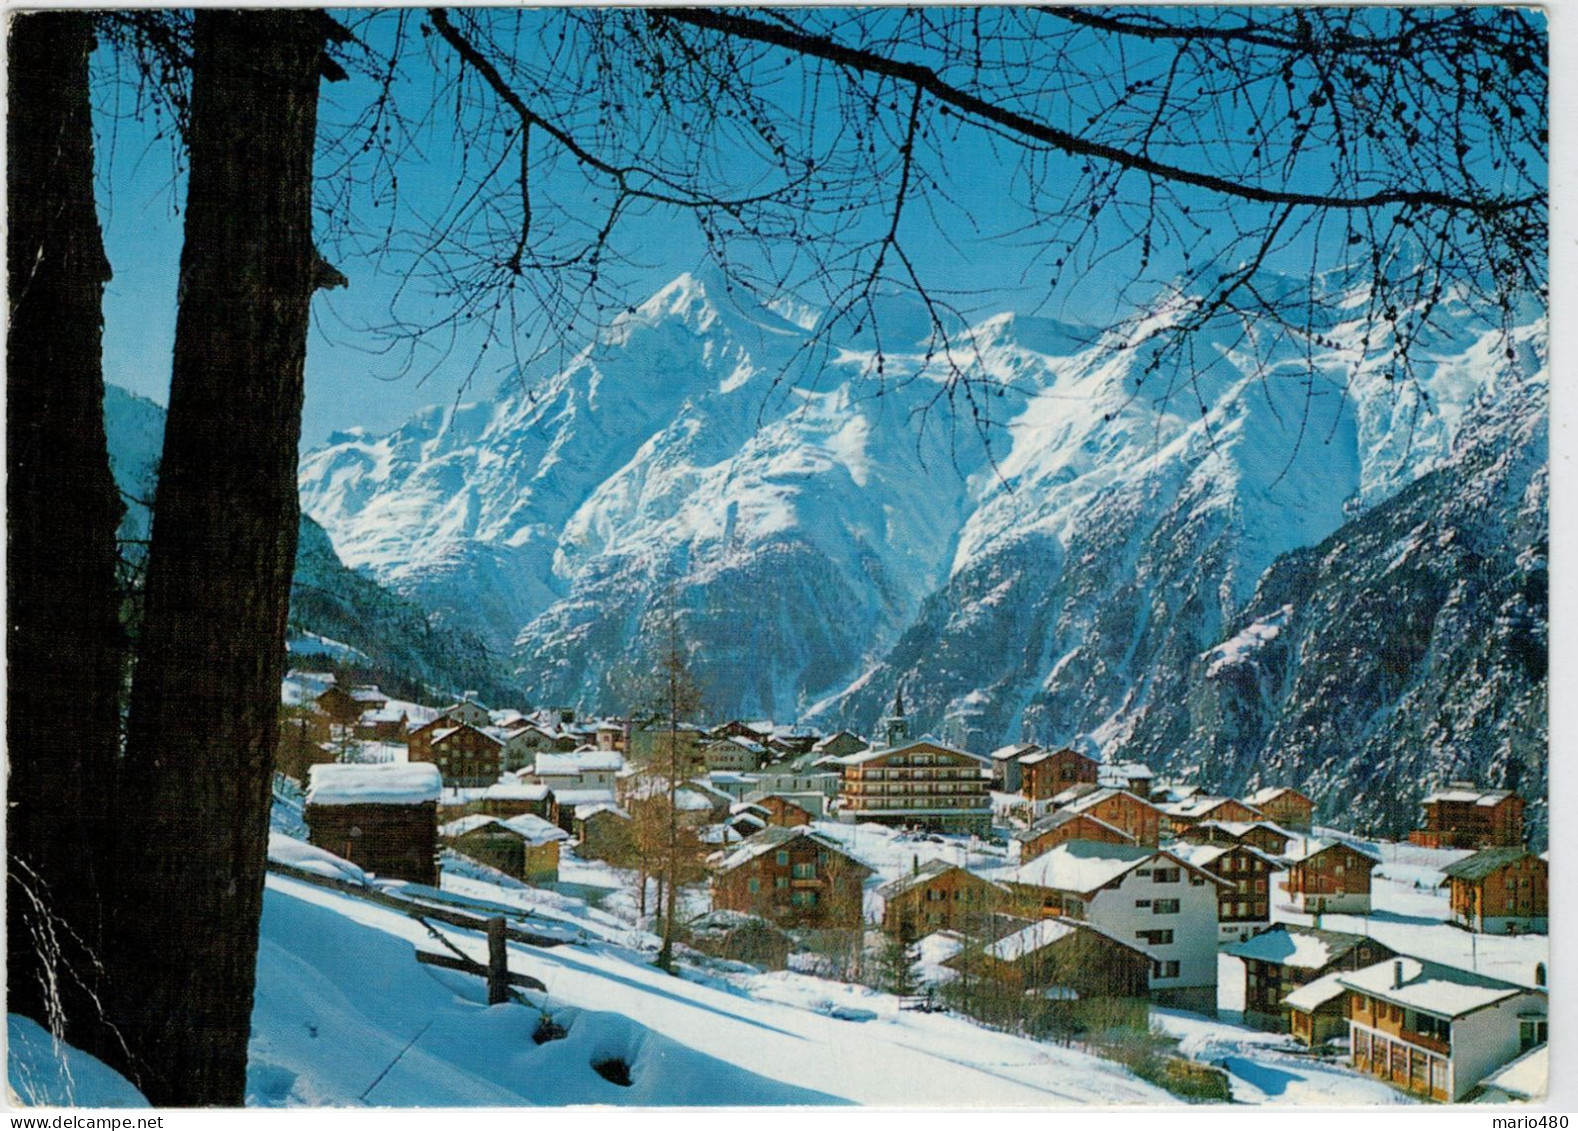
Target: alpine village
x,y
1028,889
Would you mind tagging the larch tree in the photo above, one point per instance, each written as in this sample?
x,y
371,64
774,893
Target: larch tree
x,y
203,724
64,640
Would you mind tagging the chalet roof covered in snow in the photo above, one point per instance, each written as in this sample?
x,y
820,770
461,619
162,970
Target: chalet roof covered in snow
x,y
1526,1078
1310,997
443,734
391,783
1123,771
1197,806
575,798
1444,991
1306,948
1013,750
1485,862
774,837
823,744
535,830
1039,935
917,877
468,824
586,812
1468,795
926,741
587,760
1311,848
1056,820
1081,865
1268,794
1095,797
1238,829
513,790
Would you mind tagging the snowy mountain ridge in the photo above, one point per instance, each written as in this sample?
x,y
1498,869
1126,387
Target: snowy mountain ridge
x,y
710,456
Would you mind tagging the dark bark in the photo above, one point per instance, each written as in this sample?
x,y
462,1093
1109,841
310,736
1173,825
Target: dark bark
x,y
64,647
205,696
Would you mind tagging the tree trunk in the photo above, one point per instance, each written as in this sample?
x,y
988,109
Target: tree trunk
x,y
205,697
65,644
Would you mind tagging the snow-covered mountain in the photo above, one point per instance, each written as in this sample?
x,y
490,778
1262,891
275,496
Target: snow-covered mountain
x,y
387,633
1044,550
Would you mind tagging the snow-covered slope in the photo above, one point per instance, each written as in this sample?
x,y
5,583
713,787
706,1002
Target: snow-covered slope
x,y
1039,561
345,1015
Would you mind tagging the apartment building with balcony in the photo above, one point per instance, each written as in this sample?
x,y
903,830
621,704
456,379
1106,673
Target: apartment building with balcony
x,y
924,784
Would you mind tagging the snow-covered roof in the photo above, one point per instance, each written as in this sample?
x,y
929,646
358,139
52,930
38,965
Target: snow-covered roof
x,y
1485,862
771,838
1307,948
1031,939
367,693
1092,799
1270,793
1126,771
1013,750
467,824
388,713
915,878
1199,806
746,744
1057,819
690,801
442,734
920,745
535,829
516,791
577,797
1081,865
583,812
1311,997
1526,1078
1313,847
1468,795
588,760
1444,991
1239,829
823,744
1200,855
389,783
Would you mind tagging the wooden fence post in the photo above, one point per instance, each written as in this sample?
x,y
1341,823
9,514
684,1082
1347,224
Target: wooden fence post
x,y
498,963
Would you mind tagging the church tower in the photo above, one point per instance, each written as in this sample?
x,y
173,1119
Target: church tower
x,y
896,726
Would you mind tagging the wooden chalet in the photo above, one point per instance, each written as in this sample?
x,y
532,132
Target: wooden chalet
x,y
1465,816
1078,959
733,754
541,840
791,876
1329,876
1436,1031
466,756
605,832
1118,808
739,937
1499,891
785,812
938,896
1287,958
487,840
1047,773
1318,1011
839,745
512,797
1063,825
383,818
1244,903
1261,835
345,707
1133,777
1180,817
1283,805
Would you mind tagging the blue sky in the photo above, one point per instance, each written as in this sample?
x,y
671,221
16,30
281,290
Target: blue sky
x,y
351,382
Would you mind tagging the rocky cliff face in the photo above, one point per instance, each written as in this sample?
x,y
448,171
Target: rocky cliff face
x,y
1066,560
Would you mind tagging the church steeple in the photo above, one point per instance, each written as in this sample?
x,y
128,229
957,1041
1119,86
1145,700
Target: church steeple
x,y
896,726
